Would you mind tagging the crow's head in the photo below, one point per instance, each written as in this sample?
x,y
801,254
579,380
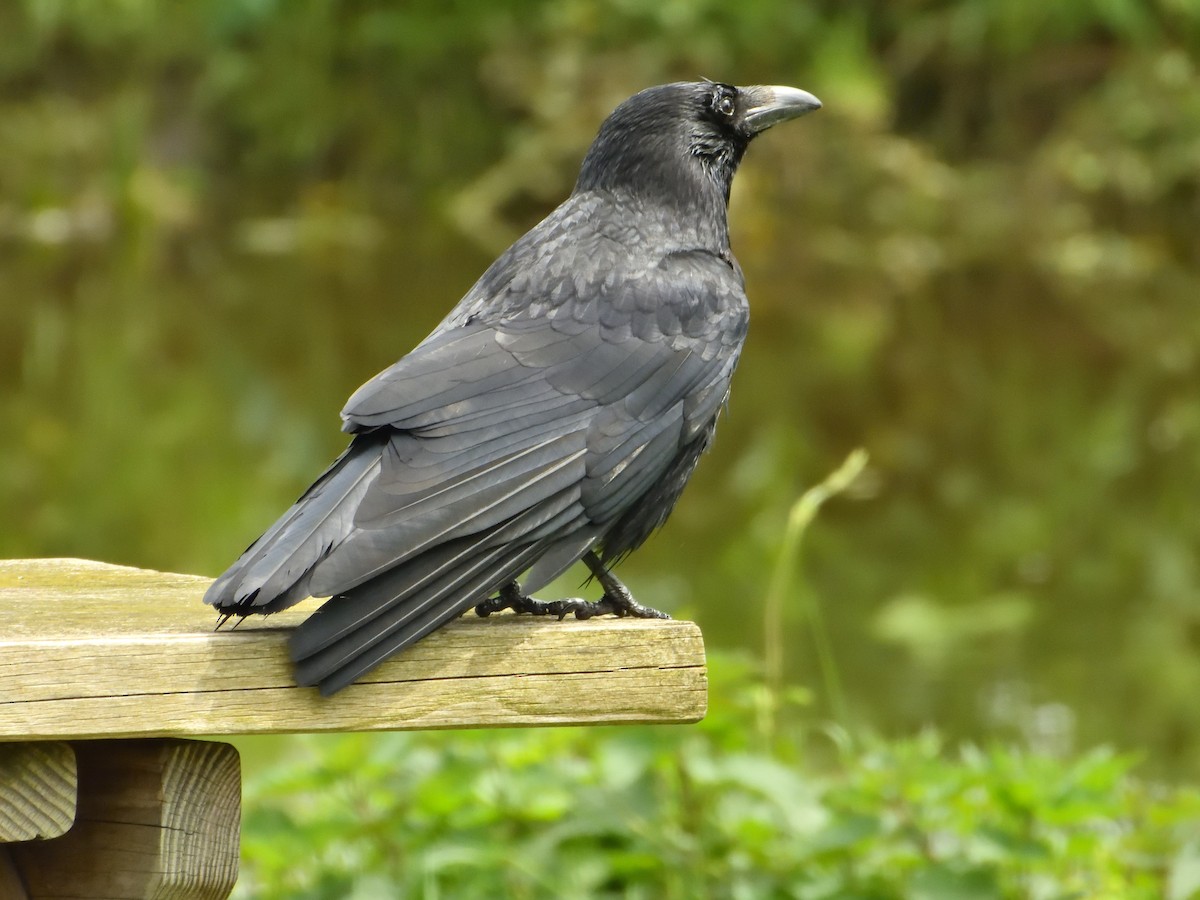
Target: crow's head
x,y
675,141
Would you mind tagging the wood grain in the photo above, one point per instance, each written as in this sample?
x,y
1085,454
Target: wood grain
x,y
156,819
96,650
38,785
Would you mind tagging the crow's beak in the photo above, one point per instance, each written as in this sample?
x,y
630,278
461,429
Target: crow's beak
x,y
771,104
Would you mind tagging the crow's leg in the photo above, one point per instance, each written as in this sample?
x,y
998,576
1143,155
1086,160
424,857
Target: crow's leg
x,y
616,601
616,595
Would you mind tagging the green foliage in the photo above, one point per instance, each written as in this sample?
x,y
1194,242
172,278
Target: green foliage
x,y
722,809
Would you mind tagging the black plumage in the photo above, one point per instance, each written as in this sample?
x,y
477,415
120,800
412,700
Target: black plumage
x,y
554,415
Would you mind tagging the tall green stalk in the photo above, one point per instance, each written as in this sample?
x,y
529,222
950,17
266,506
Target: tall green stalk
x,y
784,582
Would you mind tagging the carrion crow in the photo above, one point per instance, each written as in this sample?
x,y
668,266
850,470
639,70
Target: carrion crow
x,y
554,415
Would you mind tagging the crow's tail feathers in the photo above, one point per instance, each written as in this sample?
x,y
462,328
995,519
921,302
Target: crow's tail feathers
x,y
273,572
357,630
367,621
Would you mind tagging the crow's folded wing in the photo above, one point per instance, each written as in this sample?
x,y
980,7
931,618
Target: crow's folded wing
x,y
489,420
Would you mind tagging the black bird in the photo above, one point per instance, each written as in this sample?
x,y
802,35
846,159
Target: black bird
x,y
554,415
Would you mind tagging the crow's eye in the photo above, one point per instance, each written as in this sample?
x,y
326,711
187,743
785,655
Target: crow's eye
x,y
723,104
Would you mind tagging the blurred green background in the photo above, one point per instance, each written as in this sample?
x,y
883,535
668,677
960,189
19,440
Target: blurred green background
x,y
980,262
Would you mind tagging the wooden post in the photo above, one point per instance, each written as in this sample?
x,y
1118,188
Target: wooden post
x,y
38,787
156,818
38,784
92,651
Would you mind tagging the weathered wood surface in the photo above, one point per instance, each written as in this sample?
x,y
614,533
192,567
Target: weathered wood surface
x,y
38,785
95,650
156,819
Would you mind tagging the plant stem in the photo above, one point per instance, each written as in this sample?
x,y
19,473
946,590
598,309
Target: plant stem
x,y
783,579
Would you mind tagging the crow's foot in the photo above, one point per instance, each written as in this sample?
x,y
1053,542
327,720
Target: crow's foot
x,y
616,594
510,597
617,600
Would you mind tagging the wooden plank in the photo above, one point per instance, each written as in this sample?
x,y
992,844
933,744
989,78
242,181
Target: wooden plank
x,y
156,818
38,783
94,650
